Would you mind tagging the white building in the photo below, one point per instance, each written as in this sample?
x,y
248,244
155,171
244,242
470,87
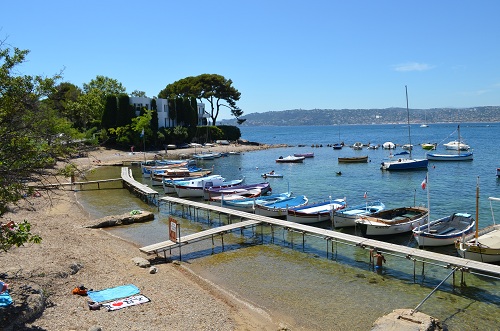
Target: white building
x,y
162,108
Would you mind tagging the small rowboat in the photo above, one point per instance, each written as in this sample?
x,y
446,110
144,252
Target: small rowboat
x,y
272,175
290,159
354,159
304,155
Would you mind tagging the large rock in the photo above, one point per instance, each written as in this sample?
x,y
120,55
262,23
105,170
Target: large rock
x,y
128,218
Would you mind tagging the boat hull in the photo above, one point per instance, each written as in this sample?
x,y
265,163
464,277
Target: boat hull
x,y
444,231
488,249
393,221
450,157
280,208
405,164
315,213
355,159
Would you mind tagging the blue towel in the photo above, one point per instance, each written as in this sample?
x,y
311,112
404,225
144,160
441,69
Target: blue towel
x,y
113,293
5,299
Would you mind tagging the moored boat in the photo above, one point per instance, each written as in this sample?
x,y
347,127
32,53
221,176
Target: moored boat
x,y
279,208
248,204
457,145
392,221
314,213
252,189
194,188
306,155
353,159
405,163
271,174
460,156
482,245
290,159
347,216
444,231
429,146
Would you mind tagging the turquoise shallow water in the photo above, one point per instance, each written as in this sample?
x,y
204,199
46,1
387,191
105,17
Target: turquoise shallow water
x,y
298,283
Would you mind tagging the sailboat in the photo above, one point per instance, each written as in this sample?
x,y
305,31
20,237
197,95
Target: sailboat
x,y
443,231
402,162
483,245
463,152
425,125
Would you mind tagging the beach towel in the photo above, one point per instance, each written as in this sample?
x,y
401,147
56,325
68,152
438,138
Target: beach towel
x,y
113,293
5,299
127,302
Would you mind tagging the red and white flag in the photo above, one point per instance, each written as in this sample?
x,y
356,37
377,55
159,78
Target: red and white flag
x,y
366,195
424,183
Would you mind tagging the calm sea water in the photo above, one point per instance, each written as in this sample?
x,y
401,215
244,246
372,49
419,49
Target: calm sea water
x,y
298,282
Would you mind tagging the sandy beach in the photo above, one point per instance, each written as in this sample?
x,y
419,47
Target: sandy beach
x,y
42,276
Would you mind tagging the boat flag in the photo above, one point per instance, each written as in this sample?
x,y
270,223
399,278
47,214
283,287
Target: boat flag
x,y
366,195
424,183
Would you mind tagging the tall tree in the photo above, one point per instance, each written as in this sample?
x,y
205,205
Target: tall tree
x,y
215,89
32,133
96,92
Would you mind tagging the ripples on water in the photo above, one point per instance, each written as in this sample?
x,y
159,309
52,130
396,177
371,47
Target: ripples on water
x,y
302,286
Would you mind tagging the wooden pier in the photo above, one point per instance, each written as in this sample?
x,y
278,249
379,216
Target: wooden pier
x,y
447,261
148,194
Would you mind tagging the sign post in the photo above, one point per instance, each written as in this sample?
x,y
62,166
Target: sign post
x,y
174,231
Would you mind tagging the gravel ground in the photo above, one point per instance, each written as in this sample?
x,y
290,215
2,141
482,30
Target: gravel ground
x,y
42,276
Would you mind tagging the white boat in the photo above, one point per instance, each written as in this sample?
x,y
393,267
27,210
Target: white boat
x,y
194,188
407,147
279,208
392,221
169,183
388,145
463,154
271,174
482,245
205,156
405,163
248,204
444,231
244,189
290,159
347,216
313,213
457,145
357,146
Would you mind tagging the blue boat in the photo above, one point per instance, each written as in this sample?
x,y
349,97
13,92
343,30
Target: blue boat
x,y
280,208
314,213
248,204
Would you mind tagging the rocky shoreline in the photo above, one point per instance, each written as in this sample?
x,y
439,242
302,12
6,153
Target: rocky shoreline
x,y
41,277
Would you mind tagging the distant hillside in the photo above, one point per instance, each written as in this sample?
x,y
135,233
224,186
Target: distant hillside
x,y
368,116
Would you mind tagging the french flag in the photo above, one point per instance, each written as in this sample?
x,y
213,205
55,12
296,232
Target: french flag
x,y
424,183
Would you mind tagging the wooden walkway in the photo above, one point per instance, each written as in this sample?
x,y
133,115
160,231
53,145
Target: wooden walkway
x,y
164,245
145,191
408,252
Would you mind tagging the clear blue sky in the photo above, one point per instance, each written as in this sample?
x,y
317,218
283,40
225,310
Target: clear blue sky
x,y
282,54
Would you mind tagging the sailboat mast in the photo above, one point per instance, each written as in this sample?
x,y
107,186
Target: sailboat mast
x,y
408,115
477,209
